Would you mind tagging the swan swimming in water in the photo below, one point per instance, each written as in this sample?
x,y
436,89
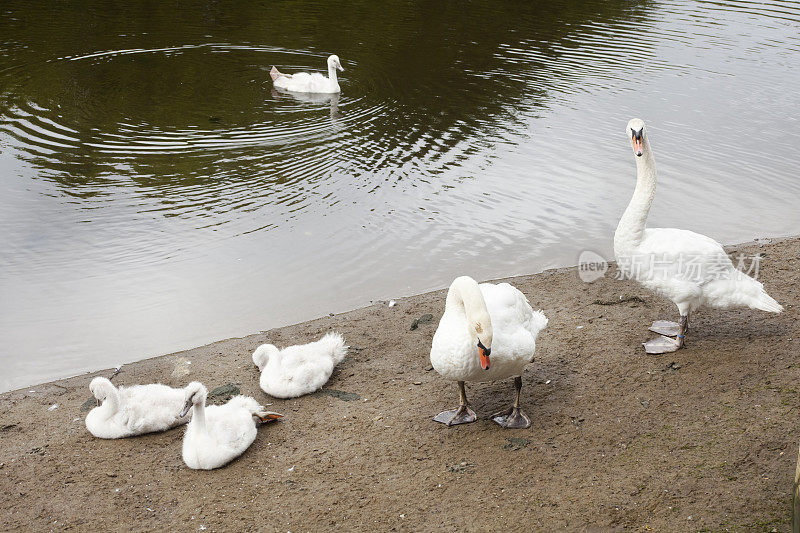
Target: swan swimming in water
x,y
688,268
128,411
219,434
298,370
480,321
303,82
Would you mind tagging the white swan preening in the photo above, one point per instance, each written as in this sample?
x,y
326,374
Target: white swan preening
x,y
303,82
298,370
127,411
219,434
688,268
487,332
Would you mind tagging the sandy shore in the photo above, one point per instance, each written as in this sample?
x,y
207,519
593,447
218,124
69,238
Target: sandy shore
x,y
703,438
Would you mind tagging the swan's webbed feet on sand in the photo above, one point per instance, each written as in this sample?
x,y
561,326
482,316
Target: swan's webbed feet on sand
x,y
512,418
665,344
666,328
460,415
661,345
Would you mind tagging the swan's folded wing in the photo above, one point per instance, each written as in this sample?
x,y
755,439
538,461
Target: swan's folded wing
x,y
507,305
673,241
669,253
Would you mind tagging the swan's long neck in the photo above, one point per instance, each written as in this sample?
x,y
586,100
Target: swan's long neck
x,y
275,357
632,224
465,296
199,415
111,403
332,73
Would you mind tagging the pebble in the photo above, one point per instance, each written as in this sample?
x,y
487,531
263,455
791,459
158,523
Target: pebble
x,y
424,319
181,368
417,383
224,392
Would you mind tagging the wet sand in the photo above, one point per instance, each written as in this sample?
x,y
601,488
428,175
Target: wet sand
x,y
702,438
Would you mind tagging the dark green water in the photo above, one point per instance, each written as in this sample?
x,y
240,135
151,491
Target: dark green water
x,y
158,194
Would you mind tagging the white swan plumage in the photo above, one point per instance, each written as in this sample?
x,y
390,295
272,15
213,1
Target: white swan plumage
x,y
218,434
298,370
690,269
128,411
487,332
303,82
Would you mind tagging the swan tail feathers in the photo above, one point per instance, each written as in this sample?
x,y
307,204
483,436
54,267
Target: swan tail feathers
x,y
767,303
274,74
333,344
756,296
538,322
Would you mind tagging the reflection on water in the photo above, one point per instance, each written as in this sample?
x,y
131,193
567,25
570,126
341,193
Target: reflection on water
x,y
158,193
312,98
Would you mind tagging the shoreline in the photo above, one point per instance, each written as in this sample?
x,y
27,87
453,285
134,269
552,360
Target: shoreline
x,y
593,254
619,439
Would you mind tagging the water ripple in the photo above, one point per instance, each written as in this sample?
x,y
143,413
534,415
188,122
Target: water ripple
x,y
158,190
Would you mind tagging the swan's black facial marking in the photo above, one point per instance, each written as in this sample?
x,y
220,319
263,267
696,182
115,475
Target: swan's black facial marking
x,y
194,397
486,351
637,138
483,355
187,405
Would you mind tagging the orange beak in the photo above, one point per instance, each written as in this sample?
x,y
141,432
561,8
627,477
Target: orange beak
x,y
637,140
484,355
638,147
269,416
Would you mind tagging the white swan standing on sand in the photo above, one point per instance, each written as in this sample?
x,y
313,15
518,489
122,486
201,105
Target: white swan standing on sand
x,y
303,82
298,370
219,434
688,268
480,321
127,411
